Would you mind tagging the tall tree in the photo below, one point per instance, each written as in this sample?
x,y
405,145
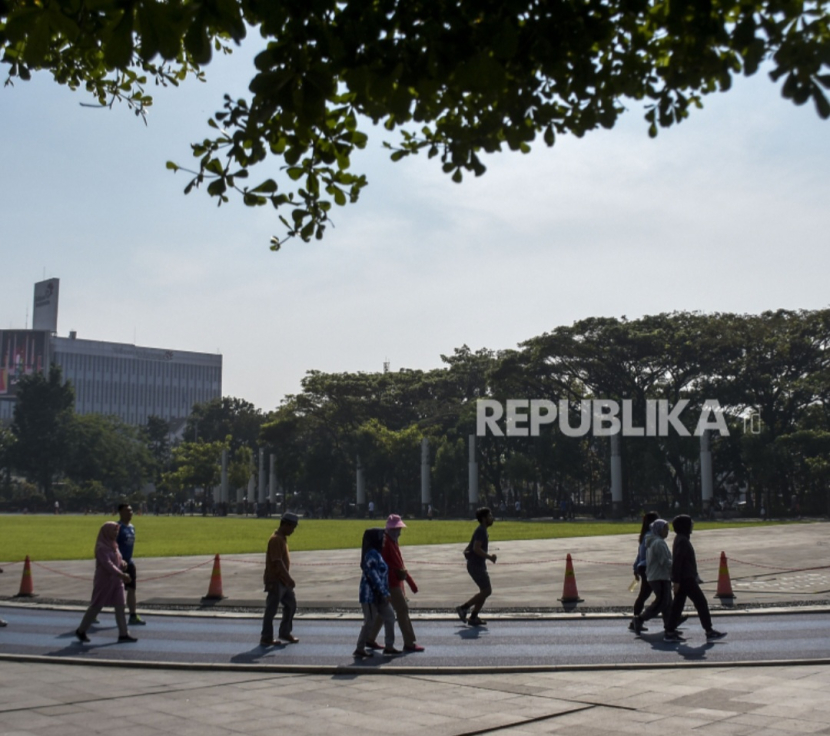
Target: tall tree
x,y
157,438
216,420
456,79
196,464
106,450
42,427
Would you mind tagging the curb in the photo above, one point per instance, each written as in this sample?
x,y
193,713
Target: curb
x,y
435,615
332,670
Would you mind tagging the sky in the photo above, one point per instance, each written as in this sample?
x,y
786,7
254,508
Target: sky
x,y
726,212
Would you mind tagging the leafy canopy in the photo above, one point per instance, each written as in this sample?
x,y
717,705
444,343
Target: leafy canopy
x,y
454,78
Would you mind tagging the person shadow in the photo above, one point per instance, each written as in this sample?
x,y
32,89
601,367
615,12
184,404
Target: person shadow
x,y
256,654
471,633
689,652
73,647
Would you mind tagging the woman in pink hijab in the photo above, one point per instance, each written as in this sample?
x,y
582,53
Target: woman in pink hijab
x,y
108,585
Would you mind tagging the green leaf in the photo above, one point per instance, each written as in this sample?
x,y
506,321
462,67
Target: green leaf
x,y
118,50
37,45
269,186
822,105
216,187
196,41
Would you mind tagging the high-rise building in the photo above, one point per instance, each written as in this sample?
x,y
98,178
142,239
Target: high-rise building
x,y
117,379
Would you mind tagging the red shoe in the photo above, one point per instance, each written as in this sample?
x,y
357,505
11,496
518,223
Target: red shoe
x,y
413,648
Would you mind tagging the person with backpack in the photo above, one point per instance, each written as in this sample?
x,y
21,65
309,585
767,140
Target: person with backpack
x,y
640,566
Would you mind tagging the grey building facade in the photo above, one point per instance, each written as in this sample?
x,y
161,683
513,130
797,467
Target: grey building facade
x,y
115,379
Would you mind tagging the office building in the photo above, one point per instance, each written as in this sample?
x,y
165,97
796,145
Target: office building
x,y
117,379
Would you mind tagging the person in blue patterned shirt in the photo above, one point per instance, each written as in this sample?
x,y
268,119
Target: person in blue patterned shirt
x,y
374,594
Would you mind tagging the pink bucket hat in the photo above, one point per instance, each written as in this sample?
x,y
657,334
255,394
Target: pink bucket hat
x,y
394,522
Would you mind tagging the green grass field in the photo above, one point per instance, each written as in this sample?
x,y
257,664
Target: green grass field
x,y
45,537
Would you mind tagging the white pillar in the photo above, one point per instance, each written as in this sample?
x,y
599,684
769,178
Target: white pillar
x,y
261,475
426,491
272,481
223,494
473,474
251,492
361,486
616,475
706,470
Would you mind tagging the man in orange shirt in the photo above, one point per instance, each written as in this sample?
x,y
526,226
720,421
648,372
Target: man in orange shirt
x,y
279,585
397,574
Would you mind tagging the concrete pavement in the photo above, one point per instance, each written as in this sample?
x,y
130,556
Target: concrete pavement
x,y
768,565
772,565
44,700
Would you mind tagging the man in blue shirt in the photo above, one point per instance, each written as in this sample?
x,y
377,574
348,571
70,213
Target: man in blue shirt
x,y
126,542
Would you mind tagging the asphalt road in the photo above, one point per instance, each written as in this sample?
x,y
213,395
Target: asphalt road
x,y
503,643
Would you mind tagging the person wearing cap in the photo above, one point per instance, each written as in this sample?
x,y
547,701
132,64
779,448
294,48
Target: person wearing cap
x,y
279,585
397,574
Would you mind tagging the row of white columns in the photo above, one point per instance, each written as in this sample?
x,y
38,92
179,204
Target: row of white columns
x,y
706,482
261,494
270,493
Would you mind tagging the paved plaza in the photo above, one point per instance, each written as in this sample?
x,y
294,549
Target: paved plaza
x,y
69,700
771,566
768,565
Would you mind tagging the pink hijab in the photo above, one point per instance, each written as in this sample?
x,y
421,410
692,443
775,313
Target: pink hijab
x,y
106,539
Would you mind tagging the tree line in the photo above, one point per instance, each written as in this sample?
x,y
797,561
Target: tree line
x,y
768,373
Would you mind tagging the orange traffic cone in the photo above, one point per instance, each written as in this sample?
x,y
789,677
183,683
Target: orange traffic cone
x,y
26,587
215,589
724,583
569,592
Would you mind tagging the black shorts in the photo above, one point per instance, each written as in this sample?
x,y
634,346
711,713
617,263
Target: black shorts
x,y
131,572
480,576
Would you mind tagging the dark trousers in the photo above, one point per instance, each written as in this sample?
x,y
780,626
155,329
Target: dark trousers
x,y
691,590
281,595
645,592
661,605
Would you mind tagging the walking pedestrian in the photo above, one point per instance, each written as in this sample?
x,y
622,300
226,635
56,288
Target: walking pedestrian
x,y
658,574
279,585
640,566
374,595
686,582
108,584
396,577
126,544
477,556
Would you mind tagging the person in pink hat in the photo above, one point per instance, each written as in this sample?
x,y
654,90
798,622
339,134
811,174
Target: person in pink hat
x,y
397,575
